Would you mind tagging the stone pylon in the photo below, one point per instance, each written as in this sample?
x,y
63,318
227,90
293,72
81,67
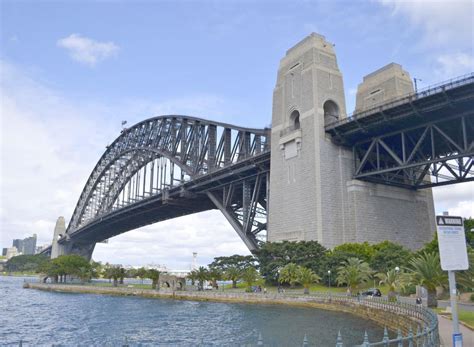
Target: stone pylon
x,y
313,195
59,231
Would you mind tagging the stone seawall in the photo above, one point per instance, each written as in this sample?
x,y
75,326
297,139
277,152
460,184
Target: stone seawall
x,y
383,315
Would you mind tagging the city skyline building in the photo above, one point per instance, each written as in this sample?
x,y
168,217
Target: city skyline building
x,y
26,246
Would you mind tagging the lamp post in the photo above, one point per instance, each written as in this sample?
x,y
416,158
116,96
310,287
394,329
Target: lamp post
x,y
278,279
397,269
329,275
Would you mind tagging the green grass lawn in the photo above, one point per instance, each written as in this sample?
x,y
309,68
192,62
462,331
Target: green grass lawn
x,y
467,317
314,288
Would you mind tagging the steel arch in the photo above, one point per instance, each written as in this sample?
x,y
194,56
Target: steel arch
x,y
196,146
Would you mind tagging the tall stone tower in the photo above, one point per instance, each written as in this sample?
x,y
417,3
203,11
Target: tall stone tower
x,y
59,231
312,193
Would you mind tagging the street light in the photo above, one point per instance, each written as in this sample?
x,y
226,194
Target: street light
x,y
278,279
329,274
397,269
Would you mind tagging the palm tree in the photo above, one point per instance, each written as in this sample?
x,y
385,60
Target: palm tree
x,y
289,274
466,278
233,273
192,276
202,274
353,272
425,270
250,277
307,277
84,273
114,272
393,279
215,275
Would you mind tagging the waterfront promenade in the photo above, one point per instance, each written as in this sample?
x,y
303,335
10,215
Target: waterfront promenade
x,y
414,322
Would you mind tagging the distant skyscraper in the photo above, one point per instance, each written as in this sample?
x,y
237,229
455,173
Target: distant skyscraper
x,y
4,252
26,246
29,245
12,252
18,244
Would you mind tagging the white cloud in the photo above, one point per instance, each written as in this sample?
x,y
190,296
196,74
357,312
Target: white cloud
x,y
87,51
451,65
48,146
457,199
442,22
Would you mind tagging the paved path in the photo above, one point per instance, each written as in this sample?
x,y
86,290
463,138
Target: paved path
x,y
446,331
464,306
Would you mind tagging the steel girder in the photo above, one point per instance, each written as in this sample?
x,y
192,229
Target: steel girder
x,y
244,204
158,154
436,153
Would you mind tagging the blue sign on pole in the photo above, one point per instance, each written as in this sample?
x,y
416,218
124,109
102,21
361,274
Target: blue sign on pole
x,y
457,340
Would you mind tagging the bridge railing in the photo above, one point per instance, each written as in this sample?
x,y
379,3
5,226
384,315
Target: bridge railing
x,y
420,323
386,104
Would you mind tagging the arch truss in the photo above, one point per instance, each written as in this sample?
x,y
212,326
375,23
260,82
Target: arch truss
x,y
168,155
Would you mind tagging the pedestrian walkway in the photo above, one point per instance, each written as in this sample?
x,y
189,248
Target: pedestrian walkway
x,y
446,333
464,306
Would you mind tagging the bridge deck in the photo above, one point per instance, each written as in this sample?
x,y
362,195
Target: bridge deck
x,y
454,97
185,199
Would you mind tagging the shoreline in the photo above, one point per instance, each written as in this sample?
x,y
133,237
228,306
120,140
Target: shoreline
x,y
364,309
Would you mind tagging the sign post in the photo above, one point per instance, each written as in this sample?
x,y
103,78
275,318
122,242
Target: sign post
x,y
453,256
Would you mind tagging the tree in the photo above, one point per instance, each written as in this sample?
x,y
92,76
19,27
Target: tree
x,y
71,265
202,275
425,270
215,275
231,267
131,273
239,261
469,231
193,277
51,269
273,256
307,277
363,251
352,273
30,263
465,278
97,269
393,279
250,277
84,273
388,255
141,273
233,274
289,274
114,272
154,275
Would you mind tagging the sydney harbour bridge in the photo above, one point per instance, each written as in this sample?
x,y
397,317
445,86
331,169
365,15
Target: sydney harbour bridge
x,y
171,166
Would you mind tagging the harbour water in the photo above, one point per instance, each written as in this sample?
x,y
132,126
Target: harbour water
x,y
40,318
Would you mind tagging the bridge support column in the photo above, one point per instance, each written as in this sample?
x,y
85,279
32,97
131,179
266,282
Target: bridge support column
x,y
313,195
58,249
68,247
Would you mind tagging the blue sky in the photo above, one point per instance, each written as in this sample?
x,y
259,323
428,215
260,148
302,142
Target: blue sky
x,y
71,71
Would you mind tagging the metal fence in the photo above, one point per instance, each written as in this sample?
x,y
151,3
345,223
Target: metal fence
x,y
422,322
